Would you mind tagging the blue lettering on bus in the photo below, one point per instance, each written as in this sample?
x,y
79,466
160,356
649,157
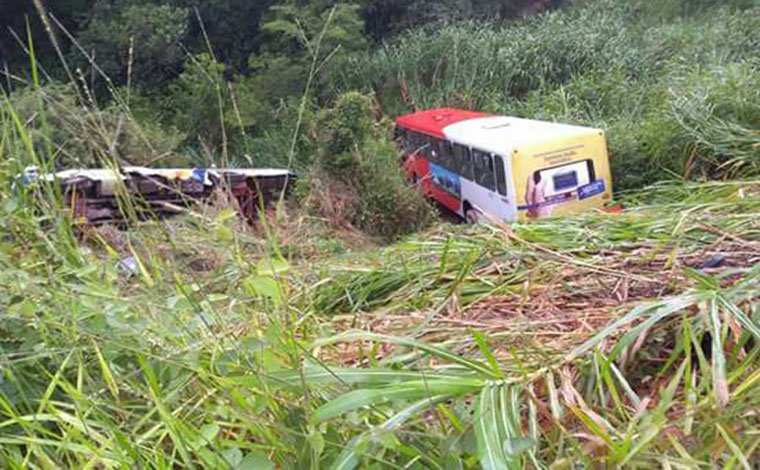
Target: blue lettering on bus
x,y
591,189
446,180
549,202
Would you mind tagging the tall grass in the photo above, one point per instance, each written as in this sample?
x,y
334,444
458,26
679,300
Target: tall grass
x,y
395,359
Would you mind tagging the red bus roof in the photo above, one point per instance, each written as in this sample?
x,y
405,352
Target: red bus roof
x,y
432,121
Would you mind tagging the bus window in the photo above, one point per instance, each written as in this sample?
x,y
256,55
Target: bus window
x,y
447,155
434,152
408,142
404,136
463,161
483,169
501,182
419,144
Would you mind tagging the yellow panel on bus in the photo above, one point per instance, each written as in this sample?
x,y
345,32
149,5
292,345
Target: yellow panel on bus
x,y
562,176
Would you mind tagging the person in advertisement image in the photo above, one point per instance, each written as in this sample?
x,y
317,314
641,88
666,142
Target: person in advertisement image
x,y
535,199
541,197
547,190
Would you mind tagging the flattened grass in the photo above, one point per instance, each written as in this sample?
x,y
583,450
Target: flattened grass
x,y
625,339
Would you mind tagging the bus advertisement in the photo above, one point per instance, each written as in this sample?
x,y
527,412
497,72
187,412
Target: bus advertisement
x,y
502,168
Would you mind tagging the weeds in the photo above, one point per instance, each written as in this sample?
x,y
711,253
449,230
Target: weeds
x,y
537,344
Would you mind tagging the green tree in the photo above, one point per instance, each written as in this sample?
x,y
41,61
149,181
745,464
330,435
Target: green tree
x,y
147,35
208,107
298,34
232,28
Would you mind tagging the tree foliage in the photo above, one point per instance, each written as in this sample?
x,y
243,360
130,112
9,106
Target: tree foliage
x,y
143,40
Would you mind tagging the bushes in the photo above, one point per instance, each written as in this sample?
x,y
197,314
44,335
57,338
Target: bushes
x,y
343,130
73,134
356,177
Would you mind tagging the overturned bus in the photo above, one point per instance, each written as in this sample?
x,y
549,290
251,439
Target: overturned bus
x,y
97,196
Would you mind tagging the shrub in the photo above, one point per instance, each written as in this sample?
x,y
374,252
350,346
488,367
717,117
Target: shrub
x,y
356,177
74,134
388,205
342,131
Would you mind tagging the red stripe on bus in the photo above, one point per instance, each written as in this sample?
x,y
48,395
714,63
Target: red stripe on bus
x,y
433,121
448,200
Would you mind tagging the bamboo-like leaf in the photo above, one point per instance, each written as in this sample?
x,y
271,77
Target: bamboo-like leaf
x,y
635,400
752,380
163,411
734,447
475,366
652,312
481,342
554,402
408,390
720,381
689,376
740,316
337,376
107,375
656,420
350,457
63,445
490,450
144,274
497,428
663,310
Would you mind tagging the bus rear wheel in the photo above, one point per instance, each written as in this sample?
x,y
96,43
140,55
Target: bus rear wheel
x,y
472,216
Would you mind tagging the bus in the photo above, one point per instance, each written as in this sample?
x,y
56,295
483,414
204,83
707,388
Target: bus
x,y
500,168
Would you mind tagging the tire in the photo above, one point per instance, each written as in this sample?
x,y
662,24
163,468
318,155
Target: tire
x,y
473,216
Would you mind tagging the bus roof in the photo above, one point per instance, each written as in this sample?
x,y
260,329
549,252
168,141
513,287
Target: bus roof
x,y
497,134
502,134
433,121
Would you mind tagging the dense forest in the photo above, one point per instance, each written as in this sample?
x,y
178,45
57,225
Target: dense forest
x,y
349,326
238,31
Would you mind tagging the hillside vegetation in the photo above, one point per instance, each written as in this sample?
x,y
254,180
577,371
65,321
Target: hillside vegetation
x,y
678,96
675,85
347,329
